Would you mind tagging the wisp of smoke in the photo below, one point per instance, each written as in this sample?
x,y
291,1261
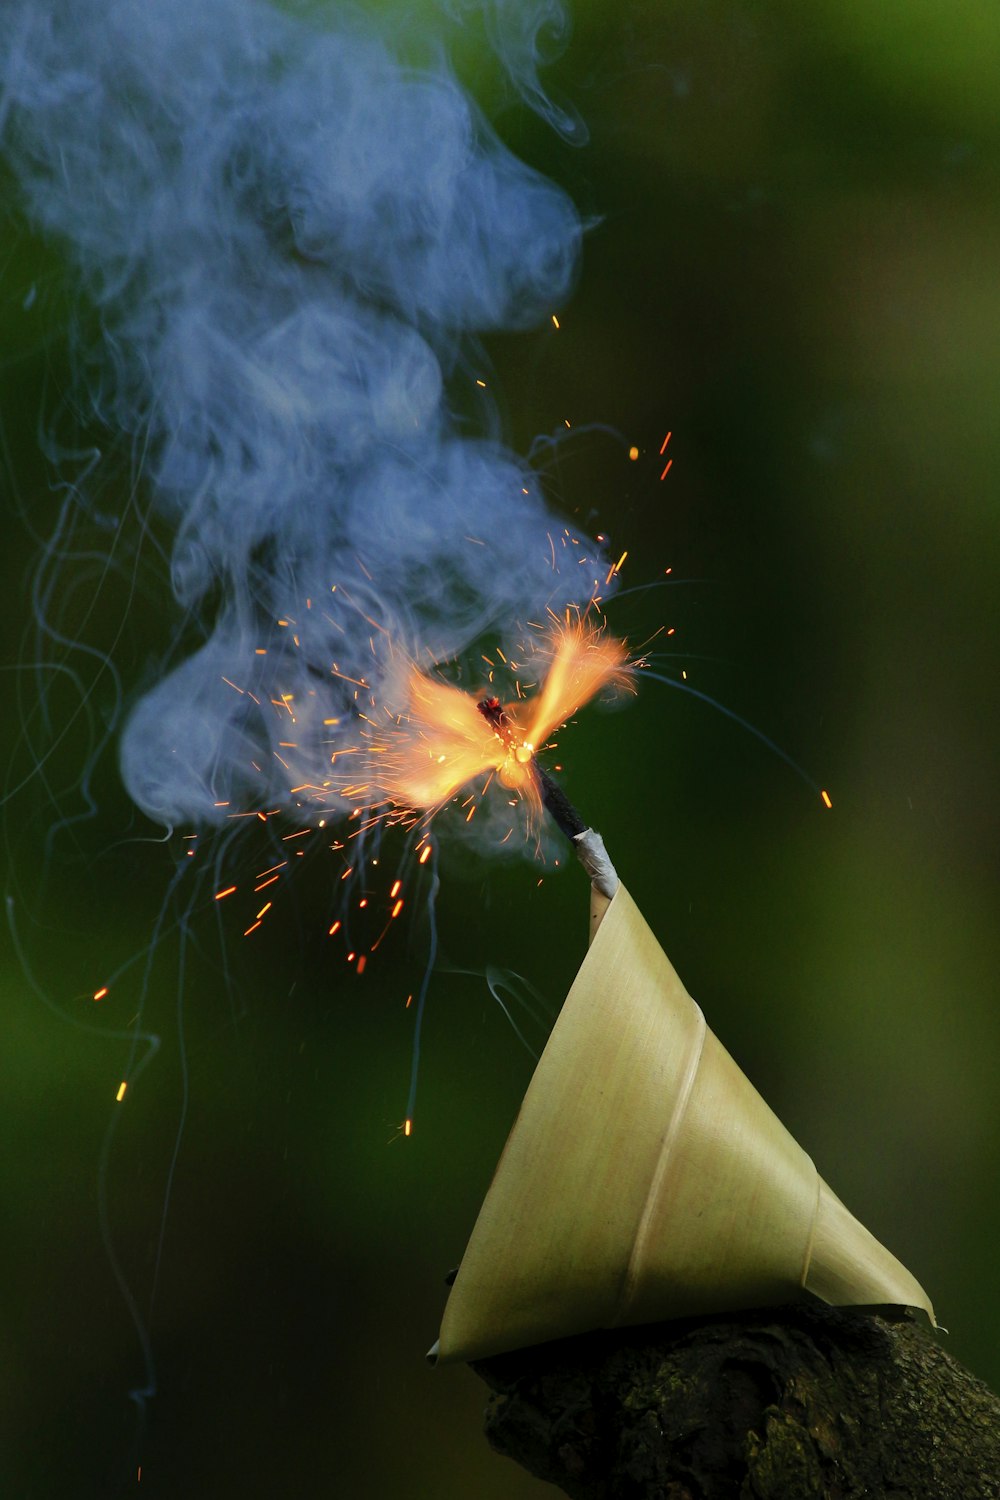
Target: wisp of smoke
x,y
290,235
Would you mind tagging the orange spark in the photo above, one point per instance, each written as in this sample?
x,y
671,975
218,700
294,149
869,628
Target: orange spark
x,y
442,741
121,1092
227,892
398,907
663,445
615,568
426,855
826,799
100,994
333,929
396,886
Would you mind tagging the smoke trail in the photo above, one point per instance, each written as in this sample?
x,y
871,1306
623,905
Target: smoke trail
x,y
290,235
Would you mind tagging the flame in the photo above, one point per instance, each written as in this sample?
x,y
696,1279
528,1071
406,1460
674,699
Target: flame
x,y
442,741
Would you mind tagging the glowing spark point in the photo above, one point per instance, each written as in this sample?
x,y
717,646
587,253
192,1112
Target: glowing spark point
x,y
407,1127
100,994
555,321
396,887
481,383
335,928
633,453
227,892
667,469
398,907
361,963
826,798
425,856
443,741
121,1092
663,445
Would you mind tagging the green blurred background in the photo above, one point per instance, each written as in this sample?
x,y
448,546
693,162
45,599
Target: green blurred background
x,y
797,272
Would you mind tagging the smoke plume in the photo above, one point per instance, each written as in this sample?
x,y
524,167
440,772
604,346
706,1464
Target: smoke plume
x,y
290,233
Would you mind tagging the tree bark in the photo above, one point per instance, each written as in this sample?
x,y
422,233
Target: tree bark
x,y
776,1405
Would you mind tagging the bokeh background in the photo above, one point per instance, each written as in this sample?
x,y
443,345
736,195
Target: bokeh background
x,y
795,269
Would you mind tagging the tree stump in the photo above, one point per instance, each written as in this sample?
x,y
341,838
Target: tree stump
x,y
804,1401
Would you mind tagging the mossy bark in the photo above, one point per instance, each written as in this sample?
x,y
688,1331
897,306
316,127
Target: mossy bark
x,y
777,1405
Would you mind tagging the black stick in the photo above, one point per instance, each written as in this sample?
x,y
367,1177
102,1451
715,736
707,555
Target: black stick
x,y
554,799
558,805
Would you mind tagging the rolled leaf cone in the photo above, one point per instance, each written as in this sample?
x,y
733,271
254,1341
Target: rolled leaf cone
x,y
646,1179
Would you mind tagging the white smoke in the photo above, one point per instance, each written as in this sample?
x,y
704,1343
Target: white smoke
x,y
289,235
